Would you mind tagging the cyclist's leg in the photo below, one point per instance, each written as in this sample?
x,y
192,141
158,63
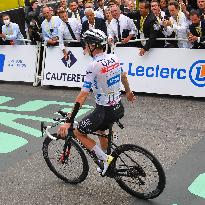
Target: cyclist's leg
x,y
84,139
103,141
91,145
89,124
112,114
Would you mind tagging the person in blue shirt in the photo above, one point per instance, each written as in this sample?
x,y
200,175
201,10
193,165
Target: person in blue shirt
x,y
11,33
50,27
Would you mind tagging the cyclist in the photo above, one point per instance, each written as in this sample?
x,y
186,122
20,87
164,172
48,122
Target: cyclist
x,y
103,76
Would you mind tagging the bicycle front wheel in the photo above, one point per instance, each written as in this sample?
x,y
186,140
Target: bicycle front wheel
x,y
71,167
138,172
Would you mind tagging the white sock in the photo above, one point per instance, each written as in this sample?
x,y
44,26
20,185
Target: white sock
x,y
104,150
100,154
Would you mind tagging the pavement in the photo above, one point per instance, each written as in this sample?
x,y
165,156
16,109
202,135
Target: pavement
x,y
171,127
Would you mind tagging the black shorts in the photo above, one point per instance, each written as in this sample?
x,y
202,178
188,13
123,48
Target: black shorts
x,y
100,118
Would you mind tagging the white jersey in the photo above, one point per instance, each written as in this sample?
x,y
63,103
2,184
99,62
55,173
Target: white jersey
x,y
103,76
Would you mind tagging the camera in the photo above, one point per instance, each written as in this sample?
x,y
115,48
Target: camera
x,y
34,32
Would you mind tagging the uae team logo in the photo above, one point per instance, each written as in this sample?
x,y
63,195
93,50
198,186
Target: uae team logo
x,y
71,60
2,59
197,73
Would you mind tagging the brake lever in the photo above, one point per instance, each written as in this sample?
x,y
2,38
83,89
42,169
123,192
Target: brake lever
x,y
64,114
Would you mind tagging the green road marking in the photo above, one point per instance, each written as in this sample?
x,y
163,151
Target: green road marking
x,y
36,105
9,119
4,99
9,142
198,186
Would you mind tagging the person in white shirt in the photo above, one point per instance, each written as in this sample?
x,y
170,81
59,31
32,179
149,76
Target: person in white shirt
x,y
178,24
97,13
70,29
155,8
121,27
50,27
108,17
11,32
74,12
101,7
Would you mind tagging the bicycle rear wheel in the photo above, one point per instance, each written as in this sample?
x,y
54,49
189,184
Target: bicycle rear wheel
x,y
72,167
138,172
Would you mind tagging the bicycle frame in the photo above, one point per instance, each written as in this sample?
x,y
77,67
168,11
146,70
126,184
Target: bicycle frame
x,y
70,135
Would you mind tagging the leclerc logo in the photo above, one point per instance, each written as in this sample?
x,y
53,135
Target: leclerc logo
x,y
2,59
197,73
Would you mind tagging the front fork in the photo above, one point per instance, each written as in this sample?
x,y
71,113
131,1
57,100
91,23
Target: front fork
x,y
66,147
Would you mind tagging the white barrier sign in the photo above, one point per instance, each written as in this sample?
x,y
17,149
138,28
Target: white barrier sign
x,y
165,71
18,63
61,72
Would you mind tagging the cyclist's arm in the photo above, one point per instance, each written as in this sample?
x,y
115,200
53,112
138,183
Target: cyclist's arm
x,y
125,82
81,98
130,96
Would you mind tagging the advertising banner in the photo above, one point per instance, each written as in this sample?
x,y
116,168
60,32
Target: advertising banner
x,y
165,71
61,72
18,63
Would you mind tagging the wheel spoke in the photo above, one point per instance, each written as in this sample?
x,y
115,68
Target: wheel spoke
x,y
72,166
138,172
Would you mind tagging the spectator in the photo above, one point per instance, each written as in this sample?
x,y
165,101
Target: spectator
x,y
130,6
155,8
118,3
147,27
74,12
108,17
11,34
164,7
177,24
185,7
34,20
93,22
100,7
1,24
97,14
51,10
201,8
64,4
121,27
50,27
69,29
33,12
113,2
197,30
80,5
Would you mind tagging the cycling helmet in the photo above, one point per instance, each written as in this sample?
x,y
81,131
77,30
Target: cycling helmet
x,y
95,37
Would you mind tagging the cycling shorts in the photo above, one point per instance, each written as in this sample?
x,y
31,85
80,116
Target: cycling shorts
x,y
100,118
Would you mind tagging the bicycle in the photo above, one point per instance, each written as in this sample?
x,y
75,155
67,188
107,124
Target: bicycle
x,y
70,164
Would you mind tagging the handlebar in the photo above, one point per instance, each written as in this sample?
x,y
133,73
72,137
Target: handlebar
x,y
45,128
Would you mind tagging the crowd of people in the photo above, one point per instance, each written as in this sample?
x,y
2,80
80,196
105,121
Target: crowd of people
x,y
125,21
